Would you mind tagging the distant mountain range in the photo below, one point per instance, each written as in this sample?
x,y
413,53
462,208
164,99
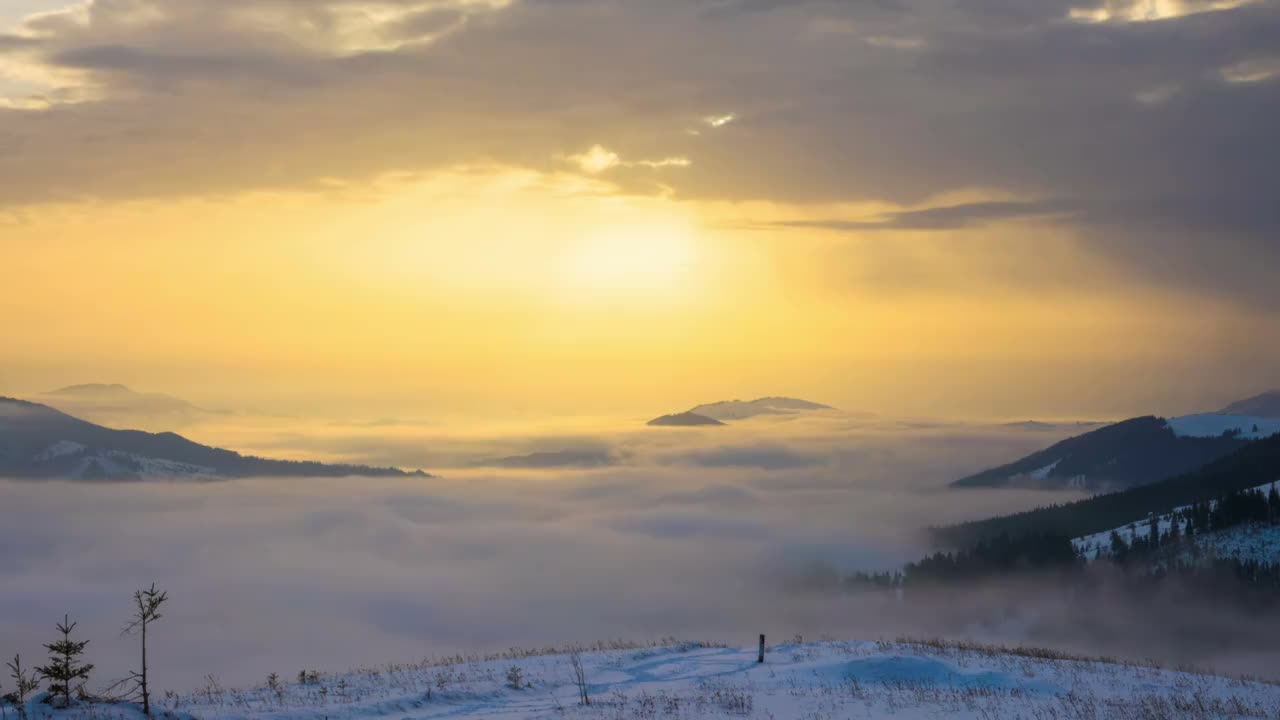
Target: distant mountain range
x,y
1127,454
37,441
117,405
718,413
1265,405
743,409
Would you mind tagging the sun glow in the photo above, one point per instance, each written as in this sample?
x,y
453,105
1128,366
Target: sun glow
x,y
654,260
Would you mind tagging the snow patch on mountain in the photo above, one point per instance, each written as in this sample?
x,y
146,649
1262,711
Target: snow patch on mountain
x,y
59,449
1043,472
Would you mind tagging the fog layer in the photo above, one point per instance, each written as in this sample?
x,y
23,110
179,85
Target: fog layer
x,y
689,533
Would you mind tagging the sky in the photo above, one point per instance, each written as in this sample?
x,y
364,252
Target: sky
x,y
995,208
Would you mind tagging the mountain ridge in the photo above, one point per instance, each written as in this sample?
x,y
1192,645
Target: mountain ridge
x,y
1255,464
38,441
1129,453
1265,404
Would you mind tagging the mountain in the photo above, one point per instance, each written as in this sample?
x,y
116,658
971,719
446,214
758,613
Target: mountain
x,y
1127,454
743,409
1266,405
37,441
684,419
1252,465
118,405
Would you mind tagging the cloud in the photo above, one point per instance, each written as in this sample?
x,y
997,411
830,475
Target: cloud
x,y
601,457
764,456
598,159
272,575
947,217
717,121
1252,71
1014,97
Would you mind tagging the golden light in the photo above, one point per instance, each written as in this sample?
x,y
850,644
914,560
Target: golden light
x,y
653,260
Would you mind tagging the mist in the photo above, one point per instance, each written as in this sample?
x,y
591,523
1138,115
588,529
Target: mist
x,y
686,533
545,533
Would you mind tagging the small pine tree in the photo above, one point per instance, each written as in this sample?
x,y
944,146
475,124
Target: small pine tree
x,y
24,683
64,668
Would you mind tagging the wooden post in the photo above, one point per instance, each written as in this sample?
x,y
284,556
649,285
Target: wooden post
x,y
761,658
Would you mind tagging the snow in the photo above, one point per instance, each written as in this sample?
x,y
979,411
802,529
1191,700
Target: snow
x,y
1215,424
1245,541
907,680
60,448
1043,472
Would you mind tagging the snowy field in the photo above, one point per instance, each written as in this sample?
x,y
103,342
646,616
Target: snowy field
x,y
813,681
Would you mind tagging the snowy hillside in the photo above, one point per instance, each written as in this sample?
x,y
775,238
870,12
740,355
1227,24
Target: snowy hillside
x,y
798,681
1243,542
1207,425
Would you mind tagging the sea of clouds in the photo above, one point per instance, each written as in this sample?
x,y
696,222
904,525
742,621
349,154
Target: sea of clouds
x,y
530,535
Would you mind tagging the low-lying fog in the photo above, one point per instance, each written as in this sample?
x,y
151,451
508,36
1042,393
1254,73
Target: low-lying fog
x,y
541,535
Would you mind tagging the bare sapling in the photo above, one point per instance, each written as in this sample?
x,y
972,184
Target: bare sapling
x,y
146,611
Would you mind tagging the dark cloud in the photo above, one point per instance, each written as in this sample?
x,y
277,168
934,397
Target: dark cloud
x,y
1131,126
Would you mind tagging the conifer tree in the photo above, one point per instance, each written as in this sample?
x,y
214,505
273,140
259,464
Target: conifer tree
x,y
64,669
24,684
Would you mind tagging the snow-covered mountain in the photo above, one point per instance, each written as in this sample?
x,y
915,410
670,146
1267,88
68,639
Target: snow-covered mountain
x,y
1127,454
37,441
797,681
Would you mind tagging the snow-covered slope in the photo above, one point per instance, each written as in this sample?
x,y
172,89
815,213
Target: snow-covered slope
x,y
797,682
1244,542
1208,425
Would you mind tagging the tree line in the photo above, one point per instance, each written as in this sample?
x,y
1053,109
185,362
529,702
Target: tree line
x,y
1164,549
66,672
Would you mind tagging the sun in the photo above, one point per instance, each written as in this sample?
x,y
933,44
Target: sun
x,y
651,260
